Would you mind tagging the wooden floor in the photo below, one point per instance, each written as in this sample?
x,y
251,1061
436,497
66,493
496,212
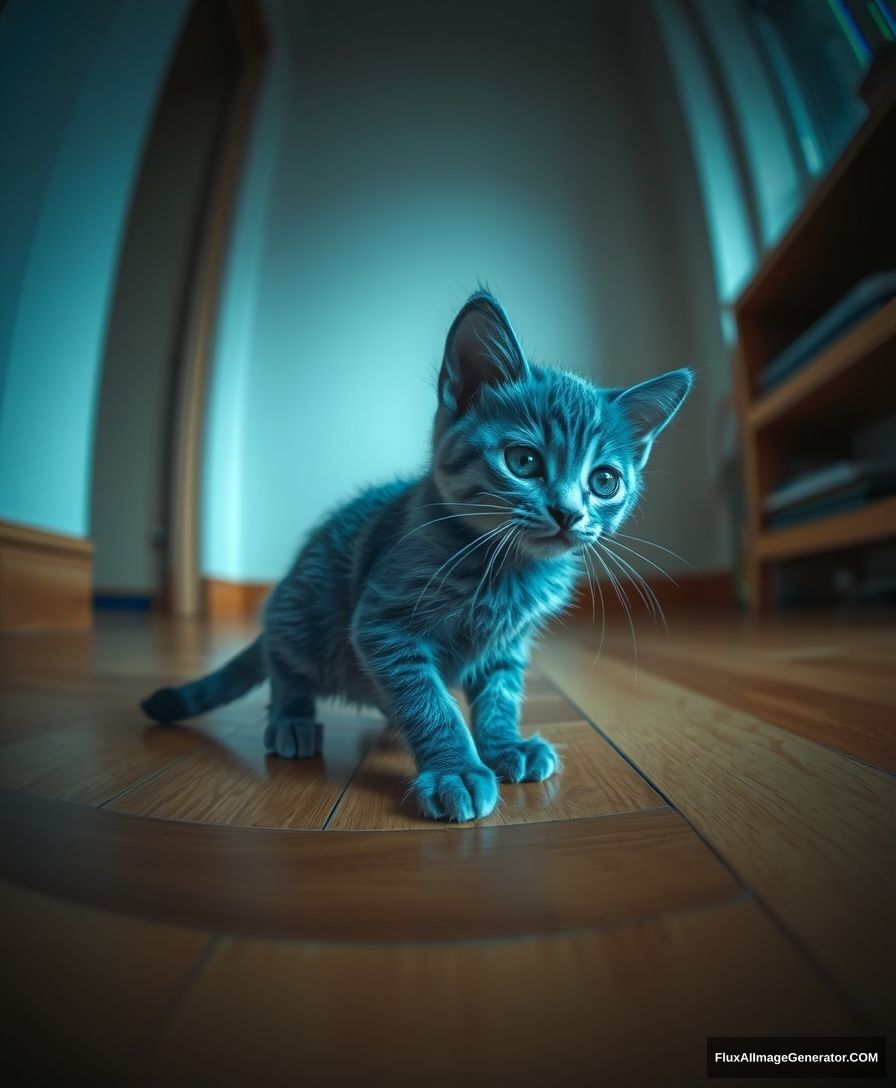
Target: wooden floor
x,y
716,859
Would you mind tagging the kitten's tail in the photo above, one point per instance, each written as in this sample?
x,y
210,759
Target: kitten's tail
x,y
232,680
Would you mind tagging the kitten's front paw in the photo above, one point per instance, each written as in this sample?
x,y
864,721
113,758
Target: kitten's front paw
x,y
531,760
466,793
294,738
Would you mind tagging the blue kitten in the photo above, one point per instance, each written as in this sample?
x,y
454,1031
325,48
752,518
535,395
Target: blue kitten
x,y
445,579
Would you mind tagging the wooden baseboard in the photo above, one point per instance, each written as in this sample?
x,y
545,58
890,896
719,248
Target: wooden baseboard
x,y
704,589
708,589
233,600
45,580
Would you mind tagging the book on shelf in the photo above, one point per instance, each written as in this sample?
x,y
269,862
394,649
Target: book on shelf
x,y
868,296
829,489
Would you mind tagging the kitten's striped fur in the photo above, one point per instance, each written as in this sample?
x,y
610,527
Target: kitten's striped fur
x,y
443,580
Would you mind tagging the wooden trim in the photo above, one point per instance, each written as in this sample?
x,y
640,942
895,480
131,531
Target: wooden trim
x,y
233,600
45,580
198,339
26,536
706,589
224,600
871,523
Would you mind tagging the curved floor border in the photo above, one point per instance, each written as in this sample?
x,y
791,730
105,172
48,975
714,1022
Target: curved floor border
x,y
362,885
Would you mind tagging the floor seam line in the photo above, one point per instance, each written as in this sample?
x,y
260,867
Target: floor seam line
x,y
326,824
155,1034
142,782
795,941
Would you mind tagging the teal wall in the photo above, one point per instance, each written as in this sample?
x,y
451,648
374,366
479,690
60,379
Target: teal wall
x,y
403,151
78,84
400,153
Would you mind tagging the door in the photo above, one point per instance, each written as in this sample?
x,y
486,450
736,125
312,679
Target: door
x,y
144,509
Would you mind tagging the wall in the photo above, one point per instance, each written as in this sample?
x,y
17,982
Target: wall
x,y
78,84
223,526
404,152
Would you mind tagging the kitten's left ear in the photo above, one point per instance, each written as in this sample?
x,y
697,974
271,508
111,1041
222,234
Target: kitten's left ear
x,y
481,349
650,406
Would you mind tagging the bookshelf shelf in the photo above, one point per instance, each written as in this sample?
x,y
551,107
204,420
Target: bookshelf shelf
x,y
862,361
876,521
845,233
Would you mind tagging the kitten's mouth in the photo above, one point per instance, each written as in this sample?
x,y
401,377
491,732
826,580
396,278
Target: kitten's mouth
x,y
561,540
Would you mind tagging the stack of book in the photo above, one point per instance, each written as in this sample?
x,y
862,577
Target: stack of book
x,y
829,489
865,298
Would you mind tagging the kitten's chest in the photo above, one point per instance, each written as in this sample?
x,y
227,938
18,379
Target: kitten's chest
x,y
506,610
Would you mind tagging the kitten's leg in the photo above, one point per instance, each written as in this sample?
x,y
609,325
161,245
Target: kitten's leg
x,y
495,694
291,731
452,782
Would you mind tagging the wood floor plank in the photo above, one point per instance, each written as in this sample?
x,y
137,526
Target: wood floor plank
x,y
595,781
28,713
236,782
93,762
83,990
538,684
367,885
826,667
849,725
843,709
809,829
630,1005
548,708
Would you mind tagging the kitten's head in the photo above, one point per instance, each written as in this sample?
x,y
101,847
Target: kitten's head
x,y
539,449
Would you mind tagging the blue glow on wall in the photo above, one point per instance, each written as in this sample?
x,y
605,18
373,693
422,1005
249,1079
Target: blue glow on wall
x,y
76,147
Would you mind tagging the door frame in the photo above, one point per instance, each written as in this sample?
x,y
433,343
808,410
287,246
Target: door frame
x,y
183,586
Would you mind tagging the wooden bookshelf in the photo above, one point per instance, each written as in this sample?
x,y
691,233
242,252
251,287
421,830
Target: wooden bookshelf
x,y
846,232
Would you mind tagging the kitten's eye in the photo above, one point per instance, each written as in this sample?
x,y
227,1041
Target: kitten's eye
x,y
524,461
604,481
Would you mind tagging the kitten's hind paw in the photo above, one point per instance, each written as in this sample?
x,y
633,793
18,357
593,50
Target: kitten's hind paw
x,y
294,738
467,793
531,760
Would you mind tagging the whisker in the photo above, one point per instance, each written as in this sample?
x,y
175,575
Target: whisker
x,y
515,535
483,505
433,521
656,566
459,554
490,565
656,608
492,495
640,586
668,551
489,536
592,578
590,588
625,572
623,600
603,620
491,554
518,551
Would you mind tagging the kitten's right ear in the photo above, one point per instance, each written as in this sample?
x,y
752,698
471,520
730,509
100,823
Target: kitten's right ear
x,y
481,348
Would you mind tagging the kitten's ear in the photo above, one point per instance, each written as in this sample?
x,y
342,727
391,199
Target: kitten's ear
x,y
650,406
481,348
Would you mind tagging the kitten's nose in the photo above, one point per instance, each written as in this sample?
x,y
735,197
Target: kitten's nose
x,y
564,518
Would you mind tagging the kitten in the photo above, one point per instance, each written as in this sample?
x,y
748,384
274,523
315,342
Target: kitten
x,y
444,580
